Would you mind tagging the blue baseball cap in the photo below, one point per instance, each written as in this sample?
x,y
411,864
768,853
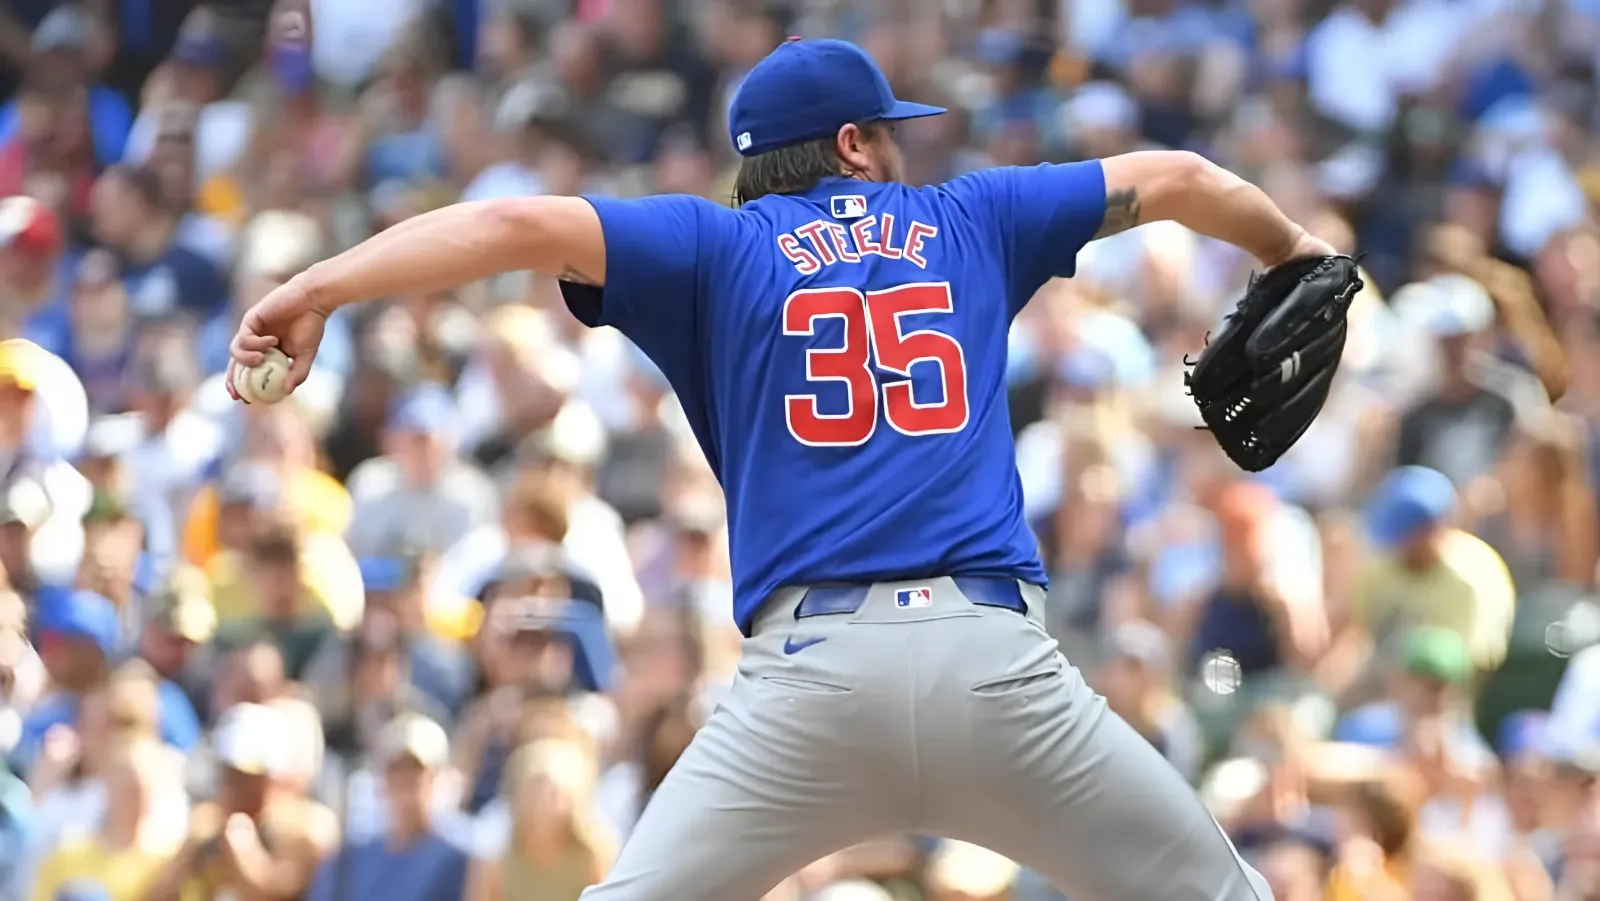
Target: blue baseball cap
x,y
384,573
806,90
1087,369
426,409
78,613
198,49
1375,726
1410,499
1522,732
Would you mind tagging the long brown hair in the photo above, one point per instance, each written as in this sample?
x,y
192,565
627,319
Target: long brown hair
x,y
791,169
572,766
1563,494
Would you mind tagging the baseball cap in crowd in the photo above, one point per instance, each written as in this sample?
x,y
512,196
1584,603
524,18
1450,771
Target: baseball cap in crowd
x,y
575,436
165,374
29,227
1101,106
20,364
25,503
1087,369
415,736
250,485
698,513
1139,640
108,505
279,244
252,739
1463,306
385,573
999,46
1410,499
1432,652
806,90
427,409
198,44
1371,725
183,606
1522,732
65,28
1573,754
531,101
78,613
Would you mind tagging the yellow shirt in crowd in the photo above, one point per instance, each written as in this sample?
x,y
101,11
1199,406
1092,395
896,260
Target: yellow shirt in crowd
x,y
1469,592
125,875
1386,884
328,571
315,499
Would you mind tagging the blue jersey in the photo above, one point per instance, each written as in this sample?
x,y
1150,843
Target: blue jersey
x,y
841,357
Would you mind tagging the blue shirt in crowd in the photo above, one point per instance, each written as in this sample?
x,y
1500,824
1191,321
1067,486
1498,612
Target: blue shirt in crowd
x,y
110,121
179,280
178,724
428,869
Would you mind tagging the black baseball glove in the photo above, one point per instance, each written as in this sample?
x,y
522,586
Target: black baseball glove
x,y
1264,375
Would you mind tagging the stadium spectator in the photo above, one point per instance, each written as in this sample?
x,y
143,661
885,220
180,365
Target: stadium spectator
x,y
124,855
555,849
32,264
1136,683
78,632
267,595
96,338
418,486
133,219
172,158
173,640
407,859
196,71
1426,572
258,836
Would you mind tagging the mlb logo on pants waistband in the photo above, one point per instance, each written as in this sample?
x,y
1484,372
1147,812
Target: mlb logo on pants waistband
x,y
912,598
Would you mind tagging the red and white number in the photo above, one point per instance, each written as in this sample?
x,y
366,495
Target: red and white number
x,y
849,364
872,329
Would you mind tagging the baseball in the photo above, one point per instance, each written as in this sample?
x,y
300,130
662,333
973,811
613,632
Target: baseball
x,y
264,384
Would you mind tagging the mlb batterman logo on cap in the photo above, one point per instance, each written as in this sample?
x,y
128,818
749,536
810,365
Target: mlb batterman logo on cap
x,y
806,90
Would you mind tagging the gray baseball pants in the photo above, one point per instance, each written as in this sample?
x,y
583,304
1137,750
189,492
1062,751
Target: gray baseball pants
x,y
947,718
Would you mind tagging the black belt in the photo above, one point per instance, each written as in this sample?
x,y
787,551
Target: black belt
x,y
985,591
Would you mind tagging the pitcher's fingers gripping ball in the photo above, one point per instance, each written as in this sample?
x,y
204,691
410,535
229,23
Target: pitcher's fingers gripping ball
x,y
267,383
1264,376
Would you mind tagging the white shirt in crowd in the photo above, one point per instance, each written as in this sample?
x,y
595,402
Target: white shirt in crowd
x,y
1357,69
222,133
353,34
596,544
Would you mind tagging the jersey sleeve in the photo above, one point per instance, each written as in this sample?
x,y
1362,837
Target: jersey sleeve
x,y
1041,215
653,252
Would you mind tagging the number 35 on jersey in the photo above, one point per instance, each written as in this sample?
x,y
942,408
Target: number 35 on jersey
x,y
873,330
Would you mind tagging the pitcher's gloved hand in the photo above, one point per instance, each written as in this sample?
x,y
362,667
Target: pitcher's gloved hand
x,y
1264,376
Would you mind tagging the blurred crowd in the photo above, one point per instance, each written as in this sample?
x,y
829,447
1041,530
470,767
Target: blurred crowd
x,y
436,628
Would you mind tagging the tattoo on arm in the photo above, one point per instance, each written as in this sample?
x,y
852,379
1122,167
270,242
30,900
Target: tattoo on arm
x,y
571,274
1122,212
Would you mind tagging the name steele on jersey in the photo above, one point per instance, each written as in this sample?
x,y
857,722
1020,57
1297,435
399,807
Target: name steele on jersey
x,y
822,243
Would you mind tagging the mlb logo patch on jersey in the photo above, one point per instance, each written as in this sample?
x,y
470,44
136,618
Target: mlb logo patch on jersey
x,y
912,598
849,206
